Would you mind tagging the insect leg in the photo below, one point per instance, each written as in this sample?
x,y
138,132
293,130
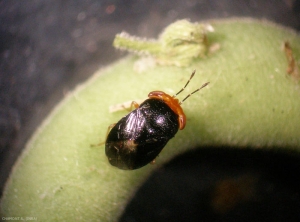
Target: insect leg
x,y
108,130
133,105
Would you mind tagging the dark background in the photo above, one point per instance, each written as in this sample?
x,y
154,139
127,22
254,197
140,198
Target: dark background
x,y
48,47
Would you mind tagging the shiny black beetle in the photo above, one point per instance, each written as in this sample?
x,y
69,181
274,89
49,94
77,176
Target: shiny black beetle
x,y
138,138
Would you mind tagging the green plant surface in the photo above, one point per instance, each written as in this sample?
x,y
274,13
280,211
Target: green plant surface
x,y
250,101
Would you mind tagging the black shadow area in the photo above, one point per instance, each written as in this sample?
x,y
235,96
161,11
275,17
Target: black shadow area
x,y
221,184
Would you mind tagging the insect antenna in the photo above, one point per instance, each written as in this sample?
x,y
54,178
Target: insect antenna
x,y
205,84
185,84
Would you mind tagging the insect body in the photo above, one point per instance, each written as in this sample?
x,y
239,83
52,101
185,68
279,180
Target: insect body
x,y
139,137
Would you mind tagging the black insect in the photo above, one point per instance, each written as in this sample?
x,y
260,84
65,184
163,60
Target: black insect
x,y
139,137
